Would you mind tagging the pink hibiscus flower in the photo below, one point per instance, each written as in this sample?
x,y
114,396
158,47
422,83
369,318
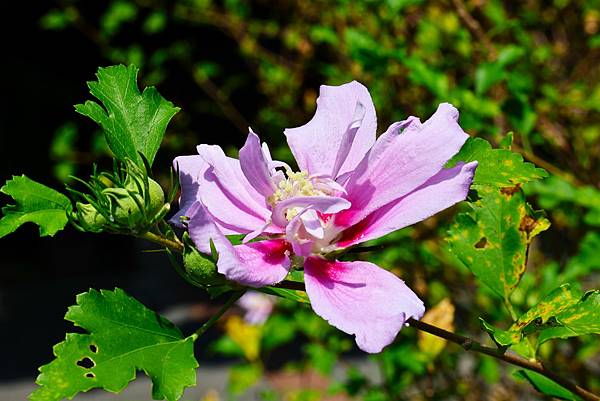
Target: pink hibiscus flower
x,y
350,188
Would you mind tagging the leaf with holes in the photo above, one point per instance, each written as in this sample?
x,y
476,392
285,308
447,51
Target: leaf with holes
x,y
35,203
124,336
492,239
132,121
497,167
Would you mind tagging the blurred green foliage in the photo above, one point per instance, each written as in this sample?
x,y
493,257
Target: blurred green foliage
x,y
530,67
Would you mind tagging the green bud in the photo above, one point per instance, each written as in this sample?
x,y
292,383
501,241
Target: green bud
x,y
92,220
125,202
129,207
201,268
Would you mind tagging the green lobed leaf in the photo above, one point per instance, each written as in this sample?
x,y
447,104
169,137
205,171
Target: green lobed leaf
x,y
132,121
492,239
35,203
497,167
124,336
577,319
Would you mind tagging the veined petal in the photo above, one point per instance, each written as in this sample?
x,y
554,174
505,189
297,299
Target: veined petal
x,y
360,298
441,191
228,195
316,144
256,264
255,166
323,204
401,161
190,169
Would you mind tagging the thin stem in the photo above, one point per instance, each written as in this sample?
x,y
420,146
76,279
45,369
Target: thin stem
x,y
471,345
166,242
510,309
234,297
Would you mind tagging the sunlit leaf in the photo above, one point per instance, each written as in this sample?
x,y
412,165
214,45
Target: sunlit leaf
x,y
578,319
497,167
551,305
563,313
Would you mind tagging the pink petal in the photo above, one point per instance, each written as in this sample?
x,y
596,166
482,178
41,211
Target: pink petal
x,y
324,204
360,298
297,236
276,175
255,166
401,161
348,138
443,190
316,144
256,264
190,169
228,195
312,224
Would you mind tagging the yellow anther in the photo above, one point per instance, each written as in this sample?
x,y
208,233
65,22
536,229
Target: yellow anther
x,y
296,184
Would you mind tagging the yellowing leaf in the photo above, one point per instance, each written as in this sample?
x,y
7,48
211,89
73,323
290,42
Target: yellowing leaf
x,y
492,239
441,315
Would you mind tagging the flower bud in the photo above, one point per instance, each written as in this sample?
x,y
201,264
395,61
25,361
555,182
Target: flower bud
x,y
124,208
125,202
89,217
201,268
